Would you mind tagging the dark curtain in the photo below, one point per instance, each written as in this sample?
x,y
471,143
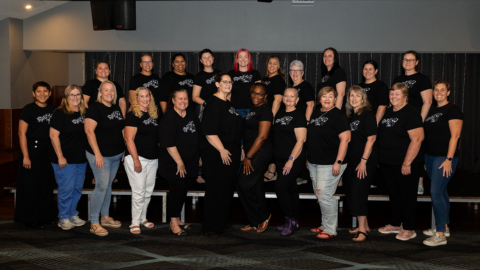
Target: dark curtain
x,y
460,69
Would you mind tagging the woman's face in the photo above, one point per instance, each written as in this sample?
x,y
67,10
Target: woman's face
x,y
107,93
41,94
409,62
328,100
102,71
296,73
207,60
180,102
290,97
369,72
328,58
146,64
74,98
397,98
143,99
179,64
225,85
356,99
440,93
258,96
242,59
273,66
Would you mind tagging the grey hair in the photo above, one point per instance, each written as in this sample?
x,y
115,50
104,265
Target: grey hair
x,y
291,88
297,63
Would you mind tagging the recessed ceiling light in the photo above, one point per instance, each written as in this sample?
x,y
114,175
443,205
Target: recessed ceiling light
x,y
28,6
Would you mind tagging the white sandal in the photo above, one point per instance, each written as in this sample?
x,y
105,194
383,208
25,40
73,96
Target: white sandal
x,y
148,224
134,228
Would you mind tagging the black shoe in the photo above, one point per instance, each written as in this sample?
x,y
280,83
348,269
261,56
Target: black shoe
x,y
35,226
185,226
180,233
212,235
228,228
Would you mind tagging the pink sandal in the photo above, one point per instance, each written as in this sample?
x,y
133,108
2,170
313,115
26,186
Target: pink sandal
x,y
324,235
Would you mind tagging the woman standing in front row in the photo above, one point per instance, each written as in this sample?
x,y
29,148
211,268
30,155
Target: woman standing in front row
x,y
104,125
178,136
327,143
400,135
362,157
289,154
141,156
220,150
68,155
443,127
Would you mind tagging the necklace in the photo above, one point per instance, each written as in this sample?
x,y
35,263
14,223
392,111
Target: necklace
x,y
324,113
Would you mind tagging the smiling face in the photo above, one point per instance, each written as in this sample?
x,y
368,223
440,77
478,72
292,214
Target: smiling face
x,y
328,59
143,99
146,64
356,99
107,93
441,93
397,98
273,66
225,85
102,71
328,100
180,101
41,95
179,65
74,98
369,72
290,97
296,73
258,96
207,60
409,62
242,60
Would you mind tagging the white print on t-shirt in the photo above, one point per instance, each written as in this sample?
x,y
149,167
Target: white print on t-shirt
x,y
267,82
325,78
298,90
366,89
249,115
153,83
115,115
390,122
233,111
410,83
78,120
354,125
44,118
211,80
319,121
189,127
150,121
433,118
284,120
244,78
188,82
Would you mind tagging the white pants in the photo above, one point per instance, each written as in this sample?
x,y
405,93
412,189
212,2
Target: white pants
x,y
142,185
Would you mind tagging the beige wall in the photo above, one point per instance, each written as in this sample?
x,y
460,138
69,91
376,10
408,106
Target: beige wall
x,y
76,68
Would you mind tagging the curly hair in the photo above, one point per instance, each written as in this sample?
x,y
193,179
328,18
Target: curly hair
x,y
135,107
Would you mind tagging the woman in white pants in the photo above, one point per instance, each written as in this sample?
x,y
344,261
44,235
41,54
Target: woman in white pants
x,y
141,157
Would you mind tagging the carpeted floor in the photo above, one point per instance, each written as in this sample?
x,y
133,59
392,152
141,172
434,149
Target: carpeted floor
x,y
52,248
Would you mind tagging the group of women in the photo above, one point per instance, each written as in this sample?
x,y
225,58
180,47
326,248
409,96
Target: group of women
x,y
233,125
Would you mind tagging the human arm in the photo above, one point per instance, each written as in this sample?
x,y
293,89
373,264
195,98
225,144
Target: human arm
x,y
173,152
416,137
277,102
86,99
129,134
215,141
362,166
263,130
90,126
380,112
55,138
131,96
342,150
123,106
427,96
340,93
301,137
22,135
455,126
196,94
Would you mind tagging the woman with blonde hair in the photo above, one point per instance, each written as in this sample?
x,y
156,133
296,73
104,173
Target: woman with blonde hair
x,y
141,155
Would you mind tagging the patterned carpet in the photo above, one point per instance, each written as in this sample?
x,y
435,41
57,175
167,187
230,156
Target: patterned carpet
x,y
52,248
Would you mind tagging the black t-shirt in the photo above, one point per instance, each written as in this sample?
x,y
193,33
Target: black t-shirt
x,y
362,126
152,82
91,89
206,80
338,75
322,135
221,119
182,133
38,120
416,83
377,93
73,139
306,93
108,131
284,129
251,126
172,80
242,82
393,139
437,130
146,136
275,86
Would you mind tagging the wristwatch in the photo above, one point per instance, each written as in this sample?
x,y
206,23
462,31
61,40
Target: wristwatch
x,y
449,158
247,157
291,158
339,161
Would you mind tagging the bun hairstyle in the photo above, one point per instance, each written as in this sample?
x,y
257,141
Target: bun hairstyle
x,y
218,76
173,95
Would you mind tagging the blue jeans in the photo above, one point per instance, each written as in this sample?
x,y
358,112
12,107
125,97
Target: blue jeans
x,y
243,112
70,183
101,195
438,189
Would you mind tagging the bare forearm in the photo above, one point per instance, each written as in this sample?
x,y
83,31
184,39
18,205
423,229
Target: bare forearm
x,y
132,148
215,141
163,106
276,105
452,146
92,140
309,111
23,145
412,152
297,149
257,144
342,150
368,149
57,146
123,106
380,112
173,152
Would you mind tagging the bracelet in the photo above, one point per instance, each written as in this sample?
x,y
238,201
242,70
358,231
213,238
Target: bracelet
x,y
406,165
364,159
247,157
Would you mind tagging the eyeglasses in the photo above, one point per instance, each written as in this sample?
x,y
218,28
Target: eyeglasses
x,y
409,60
296,71
75,96
227,82
146,62
257,94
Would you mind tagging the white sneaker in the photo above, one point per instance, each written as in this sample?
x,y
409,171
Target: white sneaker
x,y
65,224
77,221
433,232
420,189
301,181
435,240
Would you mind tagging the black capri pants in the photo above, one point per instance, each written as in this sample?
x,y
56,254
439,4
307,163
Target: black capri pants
x,y
356,189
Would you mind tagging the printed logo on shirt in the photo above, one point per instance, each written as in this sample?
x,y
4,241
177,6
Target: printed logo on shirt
x,y
319,121
433,118
366,89
249,115
284,121
267,82
325,78
189,127
390,122
244,78
410,83
115,115
188,82
152,83
79,120
298,90
233,111
211,80
354,125
44,118
150,121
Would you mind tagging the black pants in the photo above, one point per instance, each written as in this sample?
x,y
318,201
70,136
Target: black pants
x,y
177,194
220,185
356,189
402,190
286,185
250,188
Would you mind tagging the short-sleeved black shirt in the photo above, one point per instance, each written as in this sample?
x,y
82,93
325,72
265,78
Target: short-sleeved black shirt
x,y
206,80
338,75
38,120
146,140
91,89
183,133
416,83
108,131
362,126
275,86
251,126
393,139
284,129
306,93
377,93
172,80
73,139
437,129
322,135
151,82
242,82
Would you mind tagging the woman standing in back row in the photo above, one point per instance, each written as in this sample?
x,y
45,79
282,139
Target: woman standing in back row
x,y
204,82
333,75
275,82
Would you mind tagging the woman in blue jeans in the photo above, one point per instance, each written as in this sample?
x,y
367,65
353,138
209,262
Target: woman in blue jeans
x,y
443,126
104,125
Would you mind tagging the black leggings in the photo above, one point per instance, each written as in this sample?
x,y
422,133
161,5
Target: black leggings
x,y
356,189
177,194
